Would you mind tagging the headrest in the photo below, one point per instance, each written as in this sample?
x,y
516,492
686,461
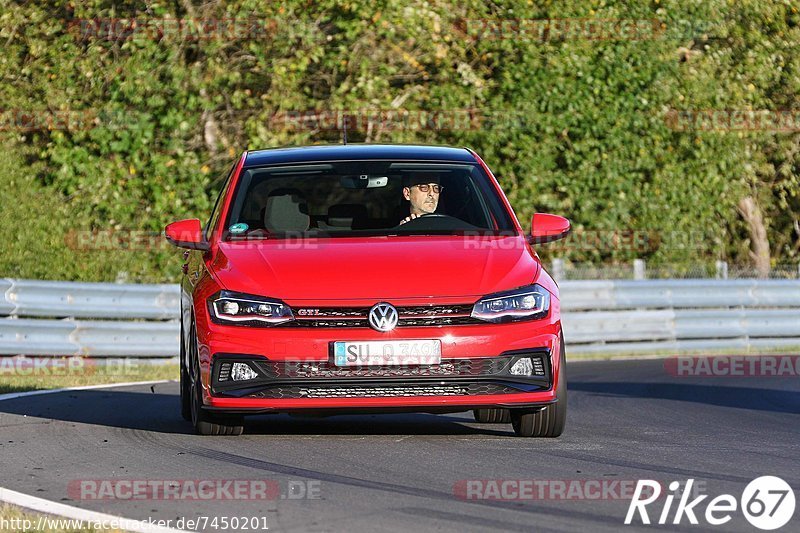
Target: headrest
x,y
285,212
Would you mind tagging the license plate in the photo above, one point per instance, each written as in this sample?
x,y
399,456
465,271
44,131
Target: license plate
x,y
394,353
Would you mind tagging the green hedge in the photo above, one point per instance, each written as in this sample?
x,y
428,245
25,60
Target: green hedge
x,y
584,127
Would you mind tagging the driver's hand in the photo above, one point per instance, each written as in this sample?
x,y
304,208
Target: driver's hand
x,y
409,218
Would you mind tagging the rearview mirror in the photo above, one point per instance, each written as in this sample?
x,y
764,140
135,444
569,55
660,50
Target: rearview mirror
x,y
187,234
363,181
546,228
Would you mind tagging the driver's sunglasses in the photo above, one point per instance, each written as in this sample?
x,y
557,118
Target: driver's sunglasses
x,y
425,187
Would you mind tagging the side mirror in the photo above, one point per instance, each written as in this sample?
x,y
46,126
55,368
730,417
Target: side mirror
x,y
187,234
547,228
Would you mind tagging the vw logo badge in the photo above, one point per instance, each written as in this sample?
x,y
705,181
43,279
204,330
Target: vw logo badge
x,y
383,317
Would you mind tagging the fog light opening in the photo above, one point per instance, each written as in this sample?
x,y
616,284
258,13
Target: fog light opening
x,y
242,372
522,367
225,372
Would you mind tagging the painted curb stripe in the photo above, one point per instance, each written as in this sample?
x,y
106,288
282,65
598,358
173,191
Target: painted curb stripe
x,y
67,511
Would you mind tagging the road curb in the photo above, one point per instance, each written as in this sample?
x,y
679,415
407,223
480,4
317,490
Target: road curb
x,y
14,395
67,511
75,513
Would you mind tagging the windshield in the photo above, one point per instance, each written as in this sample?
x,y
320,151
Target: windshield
x,y
352,198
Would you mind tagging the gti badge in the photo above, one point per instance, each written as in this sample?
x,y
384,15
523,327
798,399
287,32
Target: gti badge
x,y
383,317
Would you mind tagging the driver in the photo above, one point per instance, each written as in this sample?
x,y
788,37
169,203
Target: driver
x,y
422,192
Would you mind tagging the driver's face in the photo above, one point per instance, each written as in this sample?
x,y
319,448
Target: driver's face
x,y
422,203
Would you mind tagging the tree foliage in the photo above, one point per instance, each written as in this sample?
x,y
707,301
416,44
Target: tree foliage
x,y
578,126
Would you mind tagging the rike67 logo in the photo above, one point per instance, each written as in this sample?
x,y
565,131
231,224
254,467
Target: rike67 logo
x,y
767,502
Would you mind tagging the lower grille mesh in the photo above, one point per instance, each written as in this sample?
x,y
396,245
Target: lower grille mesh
x,y
362,391
323,369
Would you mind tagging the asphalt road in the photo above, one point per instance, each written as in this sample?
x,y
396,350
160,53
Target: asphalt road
x,y
628,420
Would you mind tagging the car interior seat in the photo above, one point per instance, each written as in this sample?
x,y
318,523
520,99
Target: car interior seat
x,y
346,217
286,210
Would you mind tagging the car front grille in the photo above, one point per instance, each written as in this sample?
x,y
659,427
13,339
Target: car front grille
x,y
447,368
356,317
367,391
323,379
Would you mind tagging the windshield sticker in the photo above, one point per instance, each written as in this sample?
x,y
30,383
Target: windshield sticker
x,y
238,228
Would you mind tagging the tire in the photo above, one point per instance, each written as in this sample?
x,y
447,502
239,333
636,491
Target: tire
x,y
186,386
204,422
550,420
492,416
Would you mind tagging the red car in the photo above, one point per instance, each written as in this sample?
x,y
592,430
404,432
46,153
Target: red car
x,y
368,278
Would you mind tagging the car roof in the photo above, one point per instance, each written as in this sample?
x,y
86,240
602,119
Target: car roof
x,y
355,152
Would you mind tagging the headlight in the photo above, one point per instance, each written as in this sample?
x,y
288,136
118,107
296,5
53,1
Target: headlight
x,y
244,309
525,303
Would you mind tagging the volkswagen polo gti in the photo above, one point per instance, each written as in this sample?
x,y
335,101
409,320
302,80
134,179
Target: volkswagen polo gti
x,y
368,278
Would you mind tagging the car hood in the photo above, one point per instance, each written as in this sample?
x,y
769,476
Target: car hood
x,y
378,268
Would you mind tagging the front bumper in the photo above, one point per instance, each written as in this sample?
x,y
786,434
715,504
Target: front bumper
x,y
473,372
475,379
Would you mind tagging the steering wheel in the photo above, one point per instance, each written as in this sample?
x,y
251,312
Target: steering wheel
x,y
436,222
429,217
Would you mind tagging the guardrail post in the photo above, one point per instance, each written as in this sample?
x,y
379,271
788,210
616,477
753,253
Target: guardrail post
x,y
558,270
722,270
639,269
8,303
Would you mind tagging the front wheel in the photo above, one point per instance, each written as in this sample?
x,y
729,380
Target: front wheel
x,y
548,421
492,416
186,385
204,422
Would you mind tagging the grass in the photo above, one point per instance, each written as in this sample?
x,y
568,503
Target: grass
x,y
22,375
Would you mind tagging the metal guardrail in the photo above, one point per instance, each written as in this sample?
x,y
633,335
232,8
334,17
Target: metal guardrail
x,y
689,293
678,315
53,318
124,332
99,339
59,299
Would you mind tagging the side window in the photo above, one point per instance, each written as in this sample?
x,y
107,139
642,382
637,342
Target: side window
x,y
215,213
